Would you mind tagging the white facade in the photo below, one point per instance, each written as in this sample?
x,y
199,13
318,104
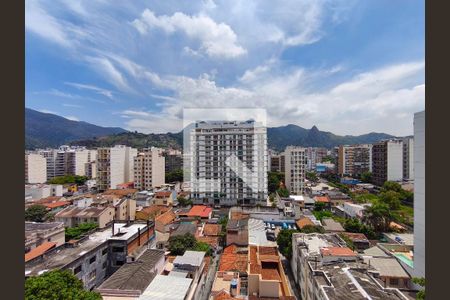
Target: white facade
x,y
394,160
229,162
114,166
35,168
295,166
149,169
37,191
419,194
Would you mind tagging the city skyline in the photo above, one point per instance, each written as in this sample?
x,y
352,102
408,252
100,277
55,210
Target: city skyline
x,y
347,67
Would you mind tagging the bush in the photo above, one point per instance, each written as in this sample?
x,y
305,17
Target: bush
x,y
284,242
36,213
73,233
79,180
180,243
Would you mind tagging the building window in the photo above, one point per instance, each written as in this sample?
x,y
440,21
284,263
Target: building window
x,y
92,275
77,270
117,249
120,262
393,281
92,260
104,251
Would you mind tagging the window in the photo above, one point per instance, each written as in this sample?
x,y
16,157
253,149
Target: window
x,y
93,258
77,270
92,275
393,281
104,251
120,262
117,249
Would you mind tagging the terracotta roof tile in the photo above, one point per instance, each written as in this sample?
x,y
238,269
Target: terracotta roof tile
x,y
120,192
355,236
166,218
337,251
200,211
304,221
56,204
213,241
324,199
39,250
163,194
212,229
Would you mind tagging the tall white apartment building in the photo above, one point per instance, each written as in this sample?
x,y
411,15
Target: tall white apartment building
x,y
387,161
419,194
354,160
149,169
295,166
114,166
228,163
35,168
408,158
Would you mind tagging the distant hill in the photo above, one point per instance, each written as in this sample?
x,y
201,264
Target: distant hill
x,y
49,130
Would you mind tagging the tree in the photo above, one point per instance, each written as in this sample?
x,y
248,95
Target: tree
x,y
283,192
355,225
312,229
57,285
175,175
202,246
391,186
183,201
36,213
73,233
378,216
79,180
284,242
420,281
180,243
274,179
391,198
312,176
366,177
319,206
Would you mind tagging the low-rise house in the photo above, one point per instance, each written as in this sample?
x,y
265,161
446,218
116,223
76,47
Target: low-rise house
x,y
168,288
95,257
130,193
163,221
234,259
164,198
39,233
151,212
338,198
359,240
353,210
390,272
132,279
144,198
83,202
331,225
226,285
212,229
125,209
55,207
237,232
73,216
303,221
200,211
323,199
183,228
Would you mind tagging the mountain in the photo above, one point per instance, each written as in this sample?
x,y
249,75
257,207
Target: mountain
x,y
49,130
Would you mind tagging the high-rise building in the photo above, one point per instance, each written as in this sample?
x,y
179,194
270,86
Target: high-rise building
x,y
229,163
295,166
173,160
149,169
114,166
314,155
387,161
408,158
354,160
35,168
419,194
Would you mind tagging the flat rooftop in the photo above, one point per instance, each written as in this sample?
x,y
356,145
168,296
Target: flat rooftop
x,y
167,288
65,255
316,241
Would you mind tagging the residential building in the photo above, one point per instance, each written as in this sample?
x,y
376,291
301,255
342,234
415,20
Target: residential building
x,y
266,276
73,216
331,225
337,197
90,169
276,162
354,160
144,198
125,209
114,166
229,163
237,232
295,165
95,257
35,168
151,212
325,268
387,161
226,284
163,221
314,155
149,169
419,194
164,198
173,160
408,158
200,211
39,233
133,278
167,288
359,240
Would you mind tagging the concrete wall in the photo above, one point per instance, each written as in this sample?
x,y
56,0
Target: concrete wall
x,y
35,168
395,161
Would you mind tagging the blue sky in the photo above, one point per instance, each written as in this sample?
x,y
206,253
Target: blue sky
x,y
349,67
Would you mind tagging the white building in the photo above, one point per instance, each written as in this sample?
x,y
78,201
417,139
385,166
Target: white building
x,y
295,165
408,158
35,168
149,169
419,194
114,166
229,162
387,161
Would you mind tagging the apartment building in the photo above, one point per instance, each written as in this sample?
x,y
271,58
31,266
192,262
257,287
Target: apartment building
x,y
314,155
173,160
419,194
325,268
114,166
295,166
354,160
387,161
229,163
408,158
73,216
35,168
149,169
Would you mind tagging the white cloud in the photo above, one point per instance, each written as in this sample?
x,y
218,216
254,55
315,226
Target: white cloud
x,y
98,90
46,111
72,105
72,118
135,113
217,39
107,69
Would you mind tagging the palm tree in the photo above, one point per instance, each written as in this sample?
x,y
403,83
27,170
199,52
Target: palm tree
x,y
378,216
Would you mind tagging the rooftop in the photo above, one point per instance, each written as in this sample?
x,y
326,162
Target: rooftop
x,y
387,266
200,211
120,192
135,276
39,250
354,237
184,228
212,229
163,194
315,241
337,251
88,212
193,258
166,218
323,199
167,288
331,225
241,224
232,260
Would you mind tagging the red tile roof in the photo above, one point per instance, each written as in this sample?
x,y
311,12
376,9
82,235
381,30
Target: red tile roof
x,y
166,218
56,204
337,251
120,192
304,221
212,229
201,211
163,194
324,199
355,236
232,261
39,250
213,241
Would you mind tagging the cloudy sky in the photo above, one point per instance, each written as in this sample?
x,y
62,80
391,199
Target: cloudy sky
x,y
349,67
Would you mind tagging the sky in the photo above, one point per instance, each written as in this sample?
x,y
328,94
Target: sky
x,y
349,67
